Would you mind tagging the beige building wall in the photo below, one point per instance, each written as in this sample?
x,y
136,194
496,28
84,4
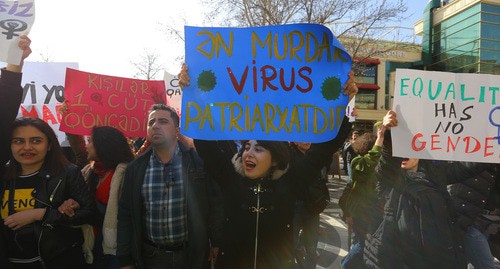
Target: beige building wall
x,y
405,53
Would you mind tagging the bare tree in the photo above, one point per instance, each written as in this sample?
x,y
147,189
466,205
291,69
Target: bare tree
x,y
358,24
173,29
45,56
358,21
148,66
274,12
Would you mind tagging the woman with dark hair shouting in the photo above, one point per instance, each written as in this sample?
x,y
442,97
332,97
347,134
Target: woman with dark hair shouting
x,y
260,184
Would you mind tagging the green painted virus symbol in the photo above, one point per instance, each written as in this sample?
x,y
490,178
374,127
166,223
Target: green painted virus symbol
x,y
331,88
207,80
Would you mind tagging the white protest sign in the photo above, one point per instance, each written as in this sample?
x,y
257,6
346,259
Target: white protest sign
x,y
173,91
350,107
447,116
16,19
43,85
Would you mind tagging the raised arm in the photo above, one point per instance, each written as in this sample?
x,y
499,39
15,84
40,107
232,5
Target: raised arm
x,y
363,166
216,159
11,93
388,170
320,154
24,45
77,143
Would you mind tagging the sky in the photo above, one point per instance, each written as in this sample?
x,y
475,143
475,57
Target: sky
x,y
106,36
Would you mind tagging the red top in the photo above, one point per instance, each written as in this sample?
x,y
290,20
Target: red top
x,y
102,192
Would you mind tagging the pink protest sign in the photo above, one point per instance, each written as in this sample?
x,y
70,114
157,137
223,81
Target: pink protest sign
x,y
100,100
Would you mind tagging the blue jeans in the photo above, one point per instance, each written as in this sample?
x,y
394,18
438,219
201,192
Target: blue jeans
x,y
477,248
349,171
102,261
361,226
354,259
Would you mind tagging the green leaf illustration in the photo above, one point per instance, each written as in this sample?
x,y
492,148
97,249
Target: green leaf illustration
x,y
331,88
207,80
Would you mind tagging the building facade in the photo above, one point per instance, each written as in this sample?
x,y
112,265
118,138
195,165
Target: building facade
x,y
461,36
373,65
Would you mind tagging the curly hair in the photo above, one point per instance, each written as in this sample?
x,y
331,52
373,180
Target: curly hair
x,y
364,143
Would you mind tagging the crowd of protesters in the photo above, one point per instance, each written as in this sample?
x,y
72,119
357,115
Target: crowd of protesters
x,y
405,211
178,203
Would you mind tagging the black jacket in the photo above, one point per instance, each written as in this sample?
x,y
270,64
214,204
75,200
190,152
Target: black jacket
x,y
10,93
273,198
205,212
470,197
439,173
57,232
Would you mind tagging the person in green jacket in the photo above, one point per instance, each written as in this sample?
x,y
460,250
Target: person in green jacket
x,y
360,213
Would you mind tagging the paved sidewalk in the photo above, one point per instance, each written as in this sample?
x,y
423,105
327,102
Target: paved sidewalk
x,y
332,246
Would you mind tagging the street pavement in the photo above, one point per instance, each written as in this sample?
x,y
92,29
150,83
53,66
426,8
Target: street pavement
x,y
332,245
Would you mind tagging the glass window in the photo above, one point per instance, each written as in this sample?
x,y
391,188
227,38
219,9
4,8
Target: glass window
x,y
491,8
457,22
391,67
487,68
459,42
446,28
457,61
471,48
365,74
489,17
461,60
491,44
472,68
490,30
490,56
366,99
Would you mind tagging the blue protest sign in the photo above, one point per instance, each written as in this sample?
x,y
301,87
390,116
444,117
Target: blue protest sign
x,y
269,83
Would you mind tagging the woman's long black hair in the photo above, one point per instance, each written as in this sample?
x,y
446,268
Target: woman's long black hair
x,y
111,146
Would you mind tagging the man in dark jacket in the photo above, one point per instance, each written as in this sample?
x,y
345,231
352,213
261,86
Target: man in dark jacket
x,y
170,213
11,93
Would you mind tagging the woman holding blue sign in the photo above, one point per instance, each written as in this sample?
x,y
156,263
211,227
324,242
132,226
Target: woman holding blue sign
x,y
261,184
